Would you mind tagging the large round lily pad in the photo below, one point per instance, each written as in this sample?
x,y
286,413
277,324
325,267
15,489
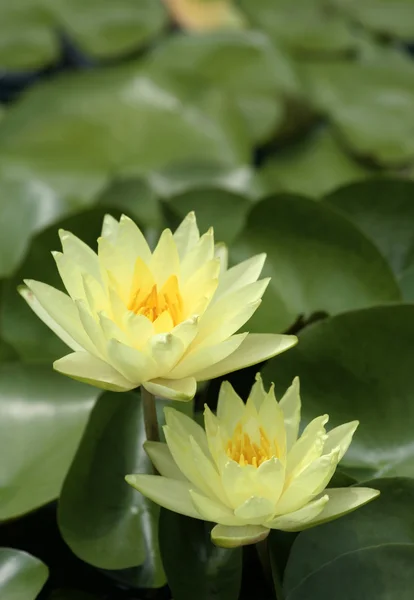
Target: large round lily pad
x,y
359,365
318,261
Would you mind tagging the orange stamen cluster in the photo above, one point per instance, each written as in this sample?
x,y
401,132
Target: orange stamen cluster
x,y
154,303
241,448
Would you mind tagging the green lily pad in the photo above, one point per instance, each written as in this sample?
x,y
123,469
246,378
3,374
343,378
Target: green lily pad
x,y
36,206
244,64
358,366
195,567
367,554
21,575
318,261
314,166
226,211
102,519
116,122
29,29
384,211
20,327
43,416
103,29
181,178
370,105
305,27
390,18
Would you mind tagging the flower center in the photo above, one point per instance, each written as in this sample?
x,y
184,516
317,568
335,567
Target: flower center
x,y
246,452
154,303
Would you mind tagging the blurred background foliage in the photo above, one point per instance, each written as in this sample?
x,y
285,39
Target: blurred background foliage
x,y
289,126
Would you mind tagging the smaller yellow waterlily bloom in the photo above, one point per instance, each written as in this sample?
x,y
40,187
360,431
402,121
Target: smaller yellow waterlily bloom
x,y
249,471
163,319
206,15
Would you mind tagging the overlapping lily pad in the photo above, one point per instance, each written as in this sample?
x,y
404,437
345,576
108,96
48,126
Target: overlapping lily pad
x,y
103,520
21,575
318,260
358,365
365,554
384,211
42,418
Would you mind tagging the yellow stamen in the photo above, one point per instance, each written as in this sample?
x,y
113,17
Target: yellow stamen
x,y
154,303
246,452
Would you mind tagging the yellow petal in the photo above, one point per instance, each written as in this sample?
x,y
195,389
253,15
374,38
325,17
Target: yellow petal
x,y
186,235
61,310
226,316
94,294
198,15
71,275
138,328
163,323
272,422
214,511
166,349
165,260
340,438
186,331
168,493
182,390
269,479
290,405
202,252
116,267
237,483
311,482
343,501
257,347
186,427
163,461
308,447
80,253
110,228
90,369
204,464
255,510
131,243
233,537
111,330
92,328
201,358
133,364
230,407
183,456
258,393
44,316
198,290
299,519
240,275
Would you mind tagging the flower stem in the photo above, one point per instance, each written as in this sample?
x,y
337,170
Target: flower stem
x,y
150,416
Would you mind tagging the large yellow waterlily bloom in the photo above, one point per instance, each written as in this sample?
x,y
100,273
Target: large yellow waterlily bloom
x,y
249,472
163,319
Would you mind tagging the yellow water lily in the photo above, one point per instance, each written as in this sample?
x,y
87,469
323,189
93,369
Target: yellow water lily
x,y
202,15
163,319
249,472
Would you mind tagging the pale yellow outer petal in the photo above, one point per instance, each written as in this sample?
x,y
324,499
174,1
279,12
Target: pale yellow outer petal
x,y
291,407
110,228
166,350
138,329
90,369
71,275
182,390
92,328
44,316
340,438
134,365
163,461
237,483
214,511
230,313
186,235
308,447
256,347
182,453
240,275
343,501
116,267
63,311
272,422
198,290
230,407
186,427
299,519
168,493
131,243
209,472
94,294
199,255
233,537
257,393
308,484
111,330
80,253
268,480
165,260
201,358
255,510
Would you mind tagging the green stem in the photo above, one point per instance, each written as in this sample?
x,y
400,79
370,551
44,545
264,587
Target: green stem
x,y
150,416
270,568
